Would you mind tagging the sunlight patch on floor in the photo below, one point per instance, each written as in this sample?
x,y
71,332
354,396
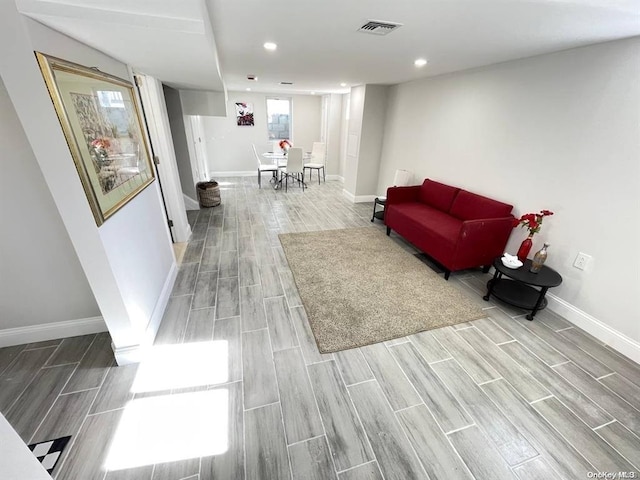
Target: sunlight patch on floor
x,y
169,428
165,367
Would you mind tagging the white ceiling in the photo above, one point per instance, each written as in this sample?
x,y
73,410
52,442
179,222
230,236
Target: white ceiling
x,y
171,40
318,45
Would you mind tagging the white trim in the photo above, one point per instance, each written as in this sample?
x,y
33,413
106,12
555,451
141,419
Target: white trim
x,y
359,198
133,353
51,331
127,355
616,340
365,198
339,178
245,173
190,203
350,196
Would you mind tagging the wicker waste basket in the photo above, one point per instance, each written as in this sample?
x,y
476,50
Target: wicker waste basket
x,y
208,193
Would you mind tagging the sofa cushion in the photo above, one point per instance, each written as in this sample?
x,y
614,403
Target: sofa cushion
x,y
431,221
437,195
469,206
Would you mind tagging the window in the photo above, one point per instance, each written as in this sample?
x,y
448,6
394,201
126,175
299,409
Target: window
x,y
110,99
279,118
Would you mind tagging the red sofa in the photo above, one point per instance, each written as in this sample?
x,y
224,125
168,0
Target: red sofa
x,y
457,228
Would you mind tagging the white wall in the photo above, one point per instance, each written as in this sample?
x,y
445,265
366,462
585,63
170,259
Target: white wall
x,y
200,102
371,137
17,462
229,146
180,141
128,262
354,132
366,125
560,132
307,120
41,280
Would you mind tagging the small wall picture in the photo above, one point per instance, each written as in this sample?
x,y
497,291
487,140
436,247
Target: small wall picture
x,y
244,114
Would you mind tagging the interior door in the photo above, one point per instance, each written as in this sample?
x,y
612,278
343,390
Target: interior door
x,y
199,162
155,111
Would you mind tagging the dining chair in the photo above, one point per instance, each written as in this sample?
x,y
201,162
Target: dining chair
x,y
263,167
294,168
317,160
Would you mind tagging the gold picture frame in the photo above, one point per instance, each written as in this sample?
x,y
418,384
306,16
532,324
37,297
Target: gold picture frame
x,y
101,122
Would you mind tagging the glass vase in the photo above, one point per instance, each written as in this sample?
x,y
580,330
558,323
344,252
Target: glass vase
x,y
525,248
538,259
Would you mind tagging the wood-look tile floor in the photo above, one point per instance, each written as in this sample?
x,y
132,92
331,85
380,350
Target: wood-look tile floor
x,y
235,387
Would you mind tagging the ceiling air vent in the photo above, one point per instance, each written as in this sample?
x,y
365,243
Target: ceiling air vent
x,y
252,78
377,27
286,83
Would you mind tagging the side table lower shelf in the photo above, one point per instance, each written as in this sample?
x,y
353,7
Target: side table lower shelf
x,y
379,214
516,293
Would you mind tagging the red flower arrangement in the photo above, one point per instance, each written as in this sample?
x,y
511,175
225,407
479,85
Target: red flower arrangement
x,y
532,221
285,145
101,143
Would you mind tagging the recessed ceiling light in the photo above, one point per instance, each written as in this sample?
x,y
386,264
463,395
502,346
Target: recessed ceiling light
x,y
270,46
343,84
248,89
420,62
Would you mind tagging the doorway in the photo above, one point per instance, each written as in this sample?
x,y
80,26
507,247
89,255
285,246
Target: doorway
x,y
155,111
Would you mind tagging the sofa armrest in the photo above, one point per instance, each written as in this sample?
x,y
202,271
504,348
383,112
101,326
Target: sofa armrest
x,y
402,194
481,241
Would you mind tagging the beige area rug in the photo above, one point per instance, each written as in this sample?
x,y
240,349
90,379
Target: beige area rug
x,y
360,287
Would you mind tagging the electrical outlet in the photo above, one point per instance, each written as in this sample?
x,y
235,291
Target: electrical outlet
x,y
581,261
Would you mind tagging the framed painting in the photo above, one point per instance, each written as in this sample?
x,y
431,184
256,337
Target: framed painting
x,y
244,114
101,122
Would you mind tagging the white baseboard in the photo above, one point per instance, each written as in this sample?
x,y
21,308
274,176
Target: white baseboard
x,y
619,341
128,355
336,177
365,198
359,198
51,331
133,353
190,203
350,196
245,173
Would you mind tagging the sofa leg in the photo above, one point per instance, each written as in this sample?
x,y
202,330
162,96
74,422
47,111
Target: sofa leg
x,y
446,274
388,231
486,268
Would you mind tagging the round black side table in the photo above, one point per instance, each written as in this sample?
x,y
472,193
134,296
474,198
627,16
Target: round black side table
x,y
379,214
518,290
